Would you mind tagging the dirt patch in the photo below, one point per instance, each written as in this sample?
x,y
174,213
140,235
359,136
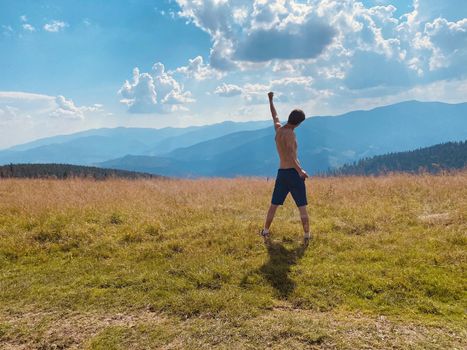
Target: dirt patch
x,y
435,218
284,326
58,330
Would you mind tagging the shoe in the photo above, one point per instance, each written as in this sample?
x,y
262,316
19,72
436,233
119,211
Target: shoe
x,y
307,238
265,235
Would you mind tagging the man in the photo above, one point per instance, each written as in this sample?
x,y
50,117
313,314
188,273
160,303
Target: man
x,y
290,176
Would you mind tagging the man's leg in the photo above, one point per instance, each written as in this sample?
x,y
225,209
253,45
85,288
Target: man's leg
x,y
270,216
298,191
278,196
304,218
305,221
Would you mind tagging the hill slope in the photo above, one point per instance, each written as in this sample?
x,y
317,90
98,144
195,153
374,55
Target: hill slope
x,y
446,156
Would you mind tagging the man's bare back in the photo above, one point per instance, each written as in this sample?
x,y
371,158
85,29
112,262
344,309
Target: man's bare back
x,y
286,145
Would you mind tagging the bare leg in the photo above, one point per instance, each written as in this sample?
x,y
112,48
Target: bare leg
x,y
270,216
304,218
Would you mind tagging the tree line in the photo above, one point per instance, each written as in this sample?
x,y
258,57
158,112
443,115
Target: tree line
x,y
434,159
65,171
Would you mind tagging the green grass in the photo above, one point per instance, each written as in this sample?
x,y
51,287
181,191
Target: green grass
x,y
178,264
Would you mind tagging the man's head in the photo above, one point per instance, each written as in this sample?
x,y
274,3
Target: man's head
x,y
296,117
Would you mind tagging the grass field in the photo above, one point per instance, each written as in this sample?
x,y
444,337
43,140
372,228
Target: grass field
x,y
179,264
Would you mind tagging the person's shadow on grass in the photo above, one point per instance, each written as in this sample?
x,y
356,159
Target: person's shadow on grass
x,y
276,270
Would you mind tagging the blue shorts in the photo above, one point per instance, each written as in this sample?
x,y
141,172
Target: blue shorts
x,y
288,180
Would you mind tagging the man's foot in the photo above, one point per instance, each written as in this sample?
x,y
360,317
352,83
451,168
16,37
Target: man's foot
x,y
265,234
307,238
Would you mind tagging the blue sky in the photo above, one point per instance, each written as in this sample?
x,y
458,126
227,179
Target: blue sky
x,y
73,65
101,43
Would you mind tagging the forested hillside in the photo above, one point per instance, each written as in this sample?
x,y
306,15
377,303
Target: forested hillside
x,y
63,171
444,156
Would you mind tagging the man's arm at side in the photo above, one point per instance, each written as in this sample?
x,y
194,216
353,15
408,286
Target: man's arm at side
x,y
299,169
290,144
277,123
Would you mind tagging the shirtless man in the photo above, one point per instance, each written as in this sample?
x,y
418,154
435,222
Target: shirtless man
x,y
290,176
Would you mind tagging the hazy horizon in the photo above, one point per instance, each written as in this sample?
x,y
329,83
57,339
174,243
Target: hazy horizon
x,y
215,123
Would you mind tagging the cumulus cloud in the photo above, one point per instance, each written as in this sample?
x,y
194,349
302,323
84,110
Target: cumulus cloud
x,y
65,108
154,92
198,70
228,90
306,40
448,44
256,31
335,40
434,45
55,26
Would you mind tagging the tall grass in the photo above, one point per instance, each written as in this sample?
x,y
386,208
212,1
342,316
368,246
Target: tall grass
x,y
188,250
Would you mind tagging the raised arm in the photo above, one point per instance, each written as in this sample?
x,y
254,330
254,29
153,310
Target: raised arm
x,y
277,123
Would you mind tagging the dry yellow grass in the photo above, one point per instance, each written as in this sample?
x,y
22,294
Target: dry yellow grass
x,y
174,264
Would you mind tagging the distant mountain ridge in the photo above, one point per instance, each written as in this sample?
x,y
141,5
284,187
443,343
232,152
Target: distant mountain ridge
x,y
248,149
92,146
142,134
324,142
433,159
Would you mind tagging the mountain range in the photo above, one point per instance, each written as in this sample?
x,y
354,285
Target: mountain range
x,y
93,146
247,149
324,142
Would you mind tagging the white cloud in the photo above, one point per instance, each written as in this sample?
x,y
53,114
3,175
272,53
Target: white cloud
x,y
43,106
155,92
306,40
258,31
23,18
333,39
198,70
228,90
448,42
55,26
65,108
28,27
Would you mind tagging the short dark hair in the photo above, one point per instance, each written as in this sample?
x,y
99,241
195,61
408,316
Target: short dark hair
x,y
296,117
